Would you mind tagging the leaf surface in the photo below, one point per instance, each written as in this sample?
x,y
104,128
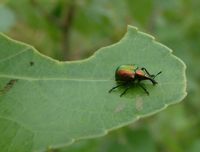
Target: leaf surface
x,y
45,103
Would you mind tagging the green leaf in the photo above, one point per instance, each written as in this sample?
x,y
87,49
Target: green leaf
x,y
45,103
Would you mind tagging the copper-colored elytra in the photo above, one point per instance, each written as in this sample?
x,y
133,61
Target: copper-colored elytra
x,y
126,73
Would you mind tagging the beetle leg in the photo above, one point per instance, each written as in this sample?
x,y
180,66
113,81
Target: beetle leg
x,y
127,87
115,87
151,75
157,74
153,81
144,88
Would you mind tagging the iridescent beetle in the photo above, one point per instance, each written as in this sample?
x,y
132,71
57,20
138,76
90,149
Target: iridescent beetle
x,y
128,75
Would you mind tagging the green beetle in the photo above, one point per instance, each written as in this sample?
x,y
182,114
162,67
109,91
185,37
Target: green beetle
x,y
128,75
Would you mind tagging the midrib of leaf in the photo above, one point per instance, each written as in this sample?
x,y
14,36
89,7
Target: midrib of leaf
x,y
54,79
69,79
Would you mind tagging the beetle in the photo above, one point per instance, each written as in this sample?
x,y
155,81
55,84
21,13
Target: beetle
x,y
128,75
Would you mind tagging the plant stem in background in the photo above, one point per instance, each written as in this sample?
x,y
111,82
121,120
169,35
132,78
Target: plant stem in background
x,y
65,29
63,23
50,18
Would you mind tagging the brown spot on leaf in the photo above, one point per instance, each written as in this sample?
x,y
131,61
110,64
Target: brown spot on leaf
x,y
8,86
31,63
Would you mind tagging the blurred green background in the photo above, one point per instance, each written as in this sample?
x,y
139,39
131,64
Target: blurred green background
x,y
75,29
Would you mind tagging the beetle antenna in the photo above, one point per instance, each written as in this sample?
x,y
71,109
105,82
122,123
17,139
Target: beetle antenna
x,y
157,74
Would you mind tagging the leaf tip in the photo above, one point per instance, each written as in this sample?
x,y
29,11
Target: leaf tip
x,y
132,28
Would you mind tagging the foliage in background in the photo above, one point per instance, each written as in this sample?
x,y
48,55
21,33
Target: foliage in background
x,y
7,18
97,23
